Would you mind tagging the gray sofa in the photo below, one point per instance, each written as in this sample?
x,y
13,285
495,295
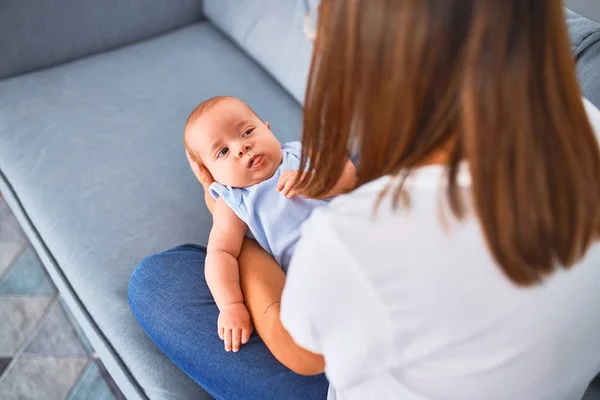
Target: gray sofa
x,y
93,97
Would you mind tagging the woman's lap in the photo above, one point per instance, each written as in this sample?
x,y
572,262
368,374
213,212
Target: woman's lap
x,y
169,297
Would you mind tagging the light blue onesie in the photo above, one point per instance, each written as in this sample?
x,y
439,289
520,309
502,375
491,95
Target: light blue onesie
x,y
273,219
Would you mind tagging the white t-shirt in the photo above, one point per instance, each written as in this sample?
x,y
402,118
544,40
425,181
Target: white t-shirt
x,y
405,307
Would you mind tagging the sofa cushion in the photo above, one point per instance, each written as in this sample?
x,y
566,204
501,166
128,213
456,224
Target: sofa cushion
x,y
93,151
272,32
39,33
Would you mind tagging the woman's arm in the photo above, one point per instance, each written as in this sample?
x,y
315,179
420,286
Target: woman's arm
x,y
346,182
288,180
262,282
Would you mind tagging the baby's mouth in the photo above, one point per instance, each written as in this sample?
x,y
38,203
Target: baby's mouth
x,y
256,162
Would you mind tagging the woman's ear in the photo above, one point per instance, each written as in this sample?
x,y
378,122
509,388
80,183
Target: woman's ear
x,y
267,125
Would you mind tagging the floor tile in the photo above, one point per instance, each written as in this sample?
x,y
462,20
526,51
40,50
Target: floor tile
x,y
12,239
9,251
9,227
45,378
4,361
53,363
109,380
56,337
27,276
84,340
19,315
91,385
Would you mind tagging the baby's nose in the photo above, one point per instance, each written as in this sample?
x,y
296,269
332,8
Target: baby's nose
x,y
244,149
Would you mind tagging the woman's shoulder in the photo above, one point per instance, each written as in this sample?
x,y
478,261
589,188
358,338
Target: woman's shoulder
x,y
593,115
359,197
375,197
367,219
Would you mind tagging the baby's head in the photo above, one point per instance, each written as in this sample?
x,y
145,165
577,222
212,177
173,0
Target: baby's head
x,y
225,136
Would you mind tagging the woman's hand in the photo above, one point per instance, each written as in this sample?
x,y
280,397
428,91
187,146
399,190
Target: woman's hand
x,y
205,178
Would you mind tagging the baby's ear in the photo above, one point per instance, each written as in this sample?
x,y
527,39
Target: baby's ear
x,y
267,125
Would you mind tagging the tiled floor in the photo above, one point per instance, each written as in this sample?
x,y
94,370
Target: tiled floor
x,y
44,355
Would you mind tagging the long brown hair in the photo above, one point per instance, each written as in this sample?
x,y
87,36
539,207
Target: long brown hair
x,y
490,82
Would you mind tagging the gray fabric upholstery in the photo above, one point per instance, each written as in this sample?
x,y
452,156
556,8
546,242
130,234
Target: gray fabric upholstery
x,y
39,33
94,151
588,8
272,32
585,41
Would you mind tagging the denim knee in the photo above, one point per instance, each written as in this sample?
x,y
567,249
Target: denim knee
x,y
155,281
142,283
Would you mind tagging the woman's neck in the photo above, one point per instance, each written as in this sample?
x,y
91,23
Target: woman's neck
x,y
441,155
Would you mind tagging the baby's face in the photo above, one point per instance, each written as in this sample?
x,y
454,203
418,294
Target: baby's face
x,y
236,147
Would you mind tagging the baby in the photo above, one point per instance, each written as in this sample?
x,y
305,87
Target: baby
x,y
255,177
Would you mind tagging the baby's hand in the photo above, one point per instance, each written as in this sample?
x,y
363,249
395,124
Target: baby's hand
x,y
235,326
287,183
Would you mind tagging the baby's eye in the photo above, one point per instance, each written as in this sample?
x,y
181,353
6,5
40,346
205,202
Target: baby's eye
x,y
223,152
248,132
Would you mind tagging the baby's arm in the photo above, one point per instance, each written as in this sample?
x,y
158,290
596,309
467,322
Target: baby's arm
x,y
287,182
223,277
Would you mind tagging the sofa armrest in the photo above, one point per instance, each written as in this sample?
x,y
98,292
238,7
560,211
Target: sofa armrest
x,y
585,42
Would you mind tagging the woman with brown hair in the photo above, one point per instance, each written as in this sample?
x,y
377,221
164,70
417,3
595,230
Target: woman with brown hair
x,y
466,263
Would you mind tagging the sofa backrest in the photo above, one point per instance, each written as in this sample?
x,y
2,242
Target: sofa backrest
x,y
271,32
40,33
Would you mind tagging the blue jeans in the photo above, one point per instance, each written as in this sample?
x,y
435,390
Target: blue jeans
x,y
171,300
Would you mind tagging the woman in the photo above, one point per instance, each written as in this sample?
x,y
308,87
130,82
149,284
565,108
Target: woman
x,y
466,265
